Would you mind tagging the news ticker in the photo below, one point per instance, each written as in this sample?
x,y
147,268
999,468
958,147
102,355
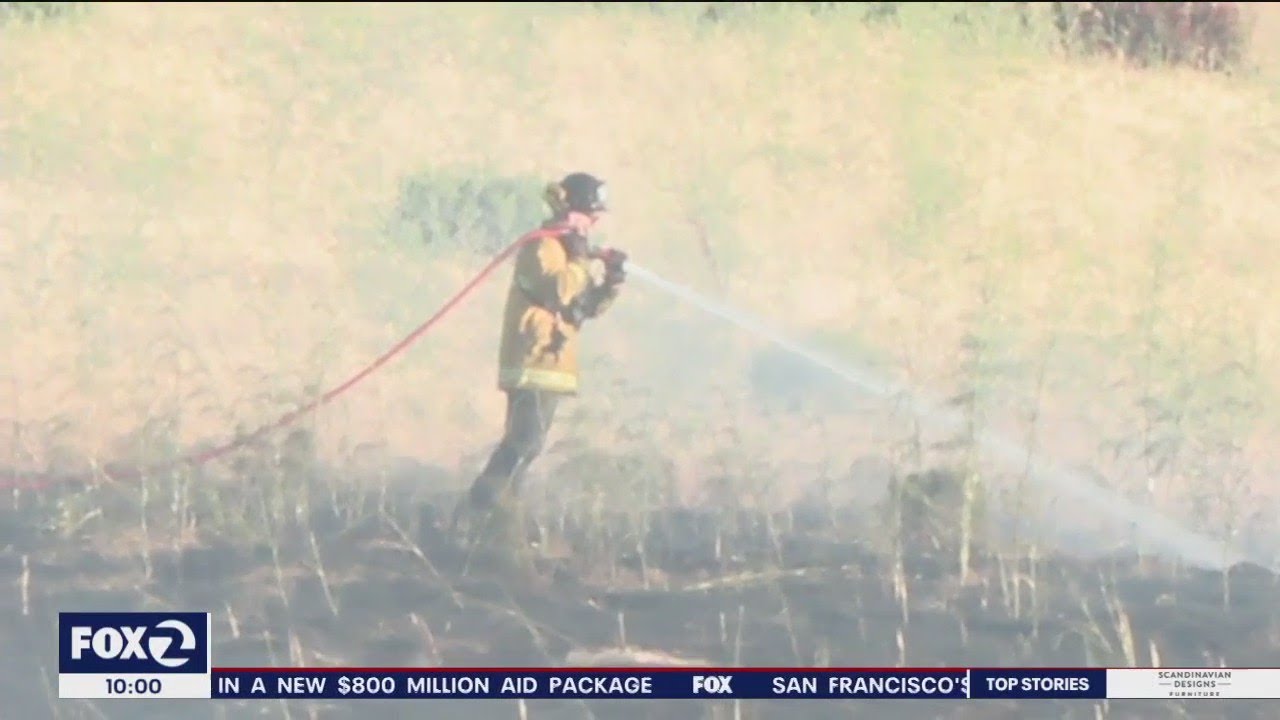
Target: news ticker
x,y
167,656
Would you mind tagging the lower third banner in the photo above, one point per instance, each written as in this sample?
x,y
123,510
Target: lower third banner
x,y
744,683
691,683
656,683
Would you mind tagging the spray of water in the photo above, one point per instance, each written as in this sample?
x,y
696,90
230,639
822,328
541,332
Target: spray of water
x,y
1161,533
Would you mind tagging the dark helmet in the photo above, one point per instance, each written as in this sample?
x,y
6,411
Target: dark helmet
x,y
579,192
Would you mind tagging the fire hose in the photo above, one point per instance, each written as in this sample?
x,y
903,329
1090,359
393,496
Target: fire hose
x,y
15,479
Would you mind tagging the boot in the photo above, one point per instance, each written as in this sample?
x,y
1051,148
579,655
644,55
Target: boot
x,y
474,508
495,538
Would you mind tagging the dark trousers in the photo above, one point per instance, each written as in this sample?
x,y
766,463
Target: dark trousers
x,y
529,416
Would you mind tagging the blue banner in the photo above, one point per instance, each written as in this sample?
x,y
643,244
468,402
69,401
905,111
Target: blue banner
x,y
1039,683
656,683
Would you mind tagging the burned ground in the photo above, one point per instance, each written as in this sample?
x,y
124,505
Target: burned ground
x,y
356,578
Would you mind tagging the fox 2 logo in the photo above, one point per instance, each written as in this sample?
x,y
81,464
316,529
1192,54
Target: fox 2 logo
x,y
133,643
712,684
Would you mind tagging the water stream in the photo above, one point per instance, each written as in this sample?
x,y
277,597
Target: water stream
x,y
1158,533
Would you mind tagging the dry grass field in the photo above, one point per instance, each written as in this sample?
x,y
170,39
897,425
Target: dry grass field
x,y
209,213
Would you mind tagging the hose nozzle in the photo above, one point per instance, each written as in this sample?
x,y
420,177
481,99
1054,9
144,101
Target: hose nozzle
x,y
611,257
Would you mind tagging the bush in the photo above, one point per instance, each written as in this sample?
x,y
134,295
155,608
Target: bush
x,y
458,210
929,512
37,11
1204,35
870,12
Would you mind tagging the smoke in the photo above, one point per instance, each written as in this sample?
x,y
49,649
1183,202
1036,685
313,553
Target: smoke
x,y
1149,529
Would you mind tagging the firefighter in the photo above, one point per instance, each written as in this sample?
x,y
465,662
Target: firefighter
x,y
552,294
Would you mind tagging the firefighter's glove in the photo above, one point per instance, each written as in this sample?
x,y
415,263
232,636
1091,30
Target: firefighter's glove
x,y
615,272
577,310
587,305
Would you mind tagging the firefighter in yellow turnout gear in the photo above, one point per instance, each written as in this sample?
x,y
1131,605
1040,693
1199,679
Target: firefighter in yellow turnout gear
x,y
552,294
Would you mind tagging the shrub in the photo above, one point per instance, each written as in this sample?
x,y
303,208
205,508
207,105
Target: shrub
x,y
929,514
1204,35
870,12
37,11
469,211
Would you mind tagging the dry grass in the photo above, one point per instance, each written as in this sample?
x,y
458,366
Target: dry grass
x,y
196,196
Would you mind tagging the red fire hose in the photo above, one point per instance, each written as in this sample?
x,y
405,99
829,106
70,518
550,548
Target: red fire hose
x,y
33,480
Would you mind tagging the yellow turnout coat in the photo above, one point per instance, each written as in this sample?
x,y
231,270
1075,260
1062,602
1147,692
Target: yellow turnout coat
x,y
539,348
